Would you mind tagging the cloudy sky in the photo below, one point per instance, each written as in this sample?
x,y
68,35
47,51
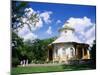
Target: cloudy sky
x,y
53,16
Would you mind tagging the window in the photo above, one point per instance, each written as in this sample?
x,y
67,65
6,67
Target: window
x,y
72,51
56,51
64,51
65,31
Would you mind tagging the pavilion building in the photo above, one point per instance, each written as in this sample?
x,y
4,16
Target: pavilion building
x,y
67,46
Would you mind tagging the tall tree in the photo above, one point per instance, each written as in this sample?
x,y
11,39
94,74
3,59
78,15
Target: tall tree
x,y
17,11
93,51
22,14
93,55
17,45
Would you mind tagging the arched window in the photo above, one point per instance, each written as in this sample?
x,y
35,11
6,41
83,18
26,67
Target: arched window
x,y
56,51
72,51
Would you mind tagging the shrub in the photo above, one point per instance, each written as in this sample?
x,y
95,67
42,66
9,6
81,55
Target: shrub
x,y
15,62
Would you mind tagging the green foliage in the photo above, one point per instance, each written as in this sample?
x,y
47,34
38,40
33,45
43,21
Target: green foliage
x,y
93,51
93,54
20,50
40,50
36,50
17,12
17,45
15,62
20,11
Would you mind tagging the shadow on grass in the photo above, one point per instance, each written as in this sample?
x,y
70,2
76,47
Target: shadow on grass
x,y
79,67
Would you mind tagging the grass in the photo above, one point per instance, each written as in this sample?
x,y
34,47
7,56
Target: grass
x,y
39,69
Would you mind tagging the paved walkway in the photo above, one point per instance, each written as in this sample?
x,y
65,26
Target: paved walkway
x,y
50,64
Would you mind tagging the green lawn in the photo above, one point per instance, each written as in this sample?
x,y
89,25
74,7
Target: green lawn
x,y
39,69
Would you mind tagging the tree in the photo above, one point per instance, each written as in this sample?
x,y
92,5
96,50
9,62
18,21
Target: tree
x,y
17,12
93,51
40,50
93,55
36,50
22,14
17,45
20,50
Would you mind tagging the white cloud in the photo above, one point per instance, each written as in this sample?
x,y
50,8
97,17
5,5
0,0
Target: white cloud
x,y
91,32
90,35
80,25
23,31
29,12
58,21
30,36
26,34
38,25
49,30
46,16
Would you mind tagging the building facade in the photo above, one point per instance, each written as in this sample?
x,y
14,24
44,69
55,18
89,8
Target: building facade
x,y
67,46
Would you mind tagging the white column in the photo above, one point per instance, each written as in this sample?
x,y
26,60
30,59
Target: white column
x,y
88,53
48,56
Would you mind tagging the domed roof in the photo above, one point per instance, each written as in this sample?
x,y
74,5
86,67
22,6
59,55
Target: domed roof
x,y
66,26
67,38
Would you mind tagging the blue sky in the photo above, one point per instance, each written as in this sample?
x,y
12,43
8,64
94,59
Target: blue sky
x,y
57,14
65,11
